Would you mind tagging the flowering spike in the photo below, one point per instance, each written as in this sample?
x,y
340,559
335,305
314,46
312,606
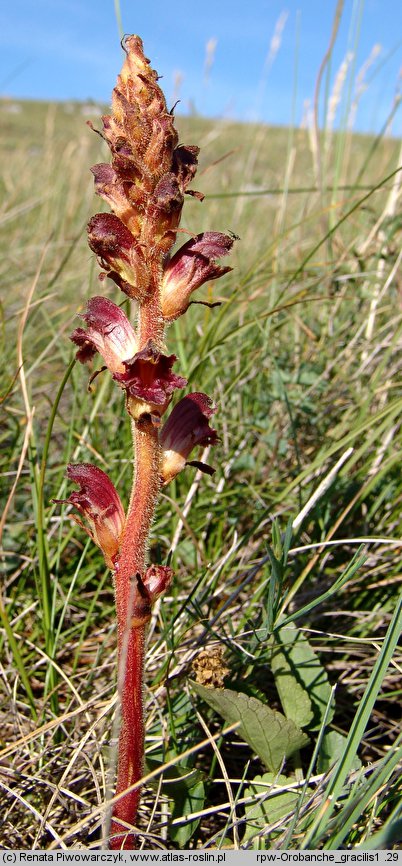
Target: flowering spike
x,y
100,504
192,265
186,427
150,171
145,186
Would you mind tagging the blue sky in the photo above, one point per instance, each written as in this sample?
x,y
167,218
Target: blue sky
x,y
244,60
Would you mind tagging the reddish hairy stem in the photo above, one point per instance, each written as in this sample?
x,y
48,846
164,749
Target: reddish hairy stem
x,y
131,624
151,325
131,740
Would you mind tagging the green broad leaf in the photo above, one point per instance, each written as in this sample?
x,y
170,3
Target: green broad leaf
x,y
187,800
185,787
270,808
271,736
176,773
332,748
300,679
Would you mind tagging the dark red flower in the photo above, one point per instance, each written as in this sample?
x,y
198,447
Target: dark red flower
x,y
100,505
192,265
149,382
146,376
119,253
186,427
109,332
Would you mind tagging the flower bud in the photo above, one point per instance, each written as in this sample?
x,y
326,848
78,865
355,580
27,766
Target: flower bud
x,y
109,185
157,580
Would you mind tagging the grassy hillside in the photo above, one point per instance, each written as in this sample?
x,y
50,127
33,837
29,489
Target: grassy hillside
x,y
302,361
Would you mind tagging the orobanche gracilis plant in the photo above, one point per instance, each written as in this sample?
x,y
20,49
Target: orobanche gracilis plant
x,y
144,186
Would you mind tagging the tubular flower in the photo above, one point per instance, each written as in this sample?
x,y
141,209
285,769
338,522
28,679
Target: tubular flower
x,y
100,504
119,253
186,427
192,265
109,332
146,376
149,381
